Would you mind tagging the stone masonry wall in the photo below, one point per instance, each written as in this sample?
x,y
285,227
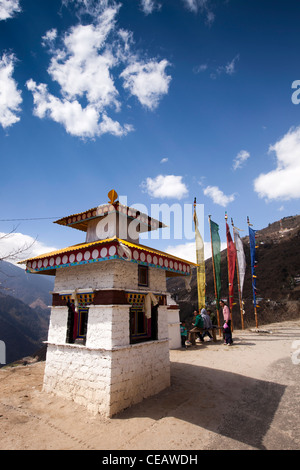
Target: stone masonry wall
x,y
174,328
138,372
108,326
58,325
107,374
114,274
79,374
107,382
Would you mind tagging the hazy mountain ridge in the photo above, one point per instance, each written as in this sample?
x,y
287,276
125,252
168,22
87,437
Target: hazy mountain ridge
x,y
24,310
27,287
21,328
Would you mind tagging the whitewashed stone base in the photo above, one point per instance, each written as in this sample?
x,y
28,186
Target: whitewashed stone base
x,y
107,382
109,374
174,328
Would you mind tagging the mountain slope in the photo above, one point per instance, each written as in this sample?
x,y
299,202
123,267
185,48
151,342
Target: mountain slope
x,y
30,288
278,277
24,311
21,328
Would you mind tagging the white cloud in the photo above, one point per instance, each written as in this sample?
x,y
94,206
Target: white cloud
x,y
147,81
148,6
10,96
49,38
81,70
230,66
109,126
78,121
75,119
217,196
169,186
192,5
83,65
283,182
188,250
203,6
16,247
164,160
8,8
200,68
228,69
93,8
240,159
184,251
210,17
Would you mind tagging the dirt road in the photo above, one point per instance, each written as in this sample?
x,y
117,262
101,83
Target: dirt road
x,y
246,396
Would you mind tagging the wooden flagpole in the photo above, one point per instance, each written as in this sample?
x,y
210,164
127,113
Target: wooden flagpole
x,y
214,273
239,287
197,269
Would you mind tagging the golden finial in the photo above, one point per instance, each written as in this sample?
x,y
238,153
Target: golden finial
x,y
113,195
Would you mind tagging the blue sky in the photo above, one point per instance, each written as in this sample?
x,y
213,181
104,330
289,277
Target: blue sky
x,y
162,100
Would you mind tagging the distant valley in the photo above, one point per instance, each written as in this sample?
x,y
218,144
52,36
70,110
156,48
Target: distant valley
x,y
24,310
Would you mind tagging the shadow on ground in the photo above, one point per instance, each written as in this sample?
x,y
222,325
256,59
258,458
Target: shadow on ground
x,y
229,404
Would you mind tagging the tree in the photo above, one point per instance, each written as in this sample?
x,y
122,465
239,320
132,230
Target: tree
x,y
13,253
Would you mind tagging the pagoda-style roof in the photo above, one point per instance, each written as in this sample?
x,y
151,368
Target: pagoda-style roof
x,y
99,248
103,250
81,220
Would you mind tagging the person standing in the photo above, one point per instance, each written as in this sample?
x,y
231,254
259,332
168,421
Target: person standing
x,y
227,325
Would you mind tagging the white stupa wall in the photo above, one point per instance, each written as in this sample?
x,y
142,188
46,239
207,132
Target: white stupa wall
x,y
108,373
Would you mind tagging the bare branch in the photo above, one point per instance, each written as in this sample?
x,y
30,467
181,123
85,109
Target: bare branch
x,y
15,253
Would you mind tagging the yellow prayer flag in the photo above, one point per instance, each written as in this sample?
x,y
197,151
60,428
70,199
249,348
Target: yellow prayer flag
x,y
200,264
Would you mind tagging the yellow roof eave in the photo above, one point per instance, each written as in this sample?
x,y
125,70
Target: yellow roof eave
x,y
99,242
65,250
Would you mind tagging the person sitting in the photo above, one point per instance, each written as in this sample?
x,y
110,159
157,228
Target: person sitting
x,y
196,329
183,333
207,324
213,318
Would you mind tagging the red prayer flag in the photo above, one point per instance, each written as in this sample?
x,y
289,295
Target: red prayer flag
x,y
231,257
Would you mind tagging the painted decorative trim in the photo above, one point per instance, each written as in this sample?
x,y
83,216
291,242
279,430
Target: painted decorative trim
x,y
83,299
81,219
101,252
137,299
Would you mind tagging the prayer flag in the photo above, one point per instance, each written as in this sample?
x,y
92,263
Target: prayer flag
x,y
241,259
253,262
231,259
216,258
200,263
